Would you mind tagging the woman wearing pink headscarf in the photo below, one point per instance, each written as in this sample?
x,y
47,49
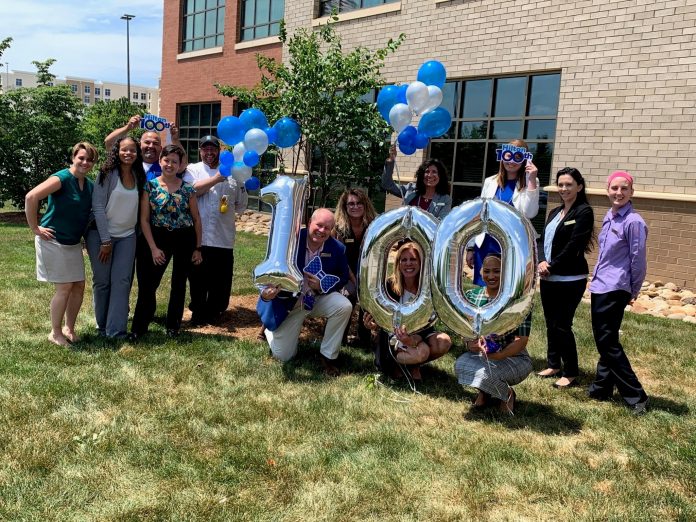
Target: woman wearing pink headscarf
x,y
616,281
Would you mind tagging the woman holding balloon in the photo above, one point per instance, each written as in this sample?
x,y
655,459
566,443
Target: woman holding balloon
x,y
431,190
412,349
494,363
515,183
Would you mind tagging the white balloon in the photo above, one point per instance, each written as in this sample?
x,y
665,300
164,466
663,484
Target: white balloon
x,y
434,98
238,151
256,140
241,174
400,116
417,96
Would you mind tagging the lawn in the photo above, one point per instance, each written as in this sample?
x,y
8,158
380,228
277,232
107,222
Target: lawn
x,y
209,427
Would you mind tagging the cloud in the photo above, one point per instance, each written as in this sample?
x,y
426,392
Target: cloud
x,y
87,39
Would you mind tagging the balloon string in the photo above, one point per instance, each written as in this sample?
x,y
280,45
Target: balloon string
x,y
398,181
484,354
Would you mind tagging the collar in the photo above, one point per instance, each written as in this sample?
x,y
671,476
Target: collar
x,y
626,209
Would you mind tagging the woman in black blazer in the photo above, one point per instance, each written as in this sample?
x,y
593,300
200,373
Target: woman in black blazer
x,y
568,236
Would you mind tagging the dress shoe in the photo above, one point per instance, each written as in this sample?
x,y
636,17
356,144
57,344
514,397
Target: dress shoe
x,y
566,382
640,408
171,332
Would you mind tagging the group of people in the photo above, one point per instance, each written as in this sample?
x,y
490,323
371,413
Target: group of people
x,y
147,207
494,364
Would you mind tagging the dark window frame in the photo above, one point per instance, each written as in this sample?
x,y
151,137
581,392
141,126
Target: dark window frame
x,y
189,134
346,6
272,25
190,44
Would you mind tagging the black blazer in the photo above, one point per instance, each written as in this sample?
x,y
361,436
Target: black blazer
x,y
572,236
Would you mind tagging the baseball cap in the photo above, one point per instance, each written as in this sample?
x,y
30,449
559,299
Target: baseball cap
x,y
209,139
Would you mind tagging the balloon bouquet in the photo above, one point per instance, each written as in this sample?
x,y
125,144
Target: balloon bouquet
x,y
249,136
398,104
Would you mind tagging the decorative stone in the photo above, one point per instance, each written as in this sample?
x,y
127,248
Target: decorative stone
x,y
658,284
689,319
670,286
676,316
689,300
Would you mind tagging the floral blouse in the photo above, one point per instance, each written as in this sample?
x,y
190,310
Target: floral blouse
x,y
170,210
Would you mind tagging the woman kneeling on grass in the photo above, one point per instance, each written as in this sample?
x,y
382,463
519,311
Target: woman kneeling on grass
x,y
495,363
409,349
58,249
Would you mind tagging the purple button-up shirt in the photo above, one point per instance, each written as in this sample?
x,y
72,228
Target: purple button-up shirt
x,y
622,261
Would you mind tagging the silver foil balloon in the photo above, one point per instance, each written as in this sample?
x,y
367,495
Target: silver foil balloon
x,y
516,236
287,195
402,223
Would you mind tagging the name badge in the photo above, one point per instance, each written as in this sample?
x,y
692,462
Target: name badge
x,y
349,240
325,254
439,204
571,222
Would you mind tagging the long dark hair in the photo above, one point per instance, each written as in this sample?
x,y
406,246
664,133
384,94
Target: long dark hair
x,y
580,198
113,162
442,187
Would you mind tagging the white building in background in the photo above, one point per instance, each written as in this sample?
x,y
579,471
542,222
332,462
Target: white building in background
x,y
87,89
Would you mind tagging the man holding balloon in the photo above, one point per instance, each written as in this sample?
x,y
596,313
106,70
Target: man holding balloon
x,y
220,198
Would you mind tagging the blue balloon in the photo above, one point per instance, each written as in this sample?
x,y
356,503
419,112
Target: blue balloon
x,y
253,183
407,148
401,96
432,73
421,141
407,137
435,123
386,99
251,158
253,119
272,135
287,132
225,170
231,130
226,158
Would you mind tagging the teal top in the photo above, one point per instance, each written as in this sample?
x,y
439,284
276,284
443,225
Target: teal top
x,y
170,209
68,209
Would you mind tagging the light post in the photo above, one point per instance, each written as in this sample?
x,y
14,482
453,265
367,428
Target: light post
x,y
128,18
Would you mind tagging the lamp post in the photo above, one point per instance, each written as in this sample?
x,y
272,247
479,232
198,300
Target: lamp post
x,y
128,18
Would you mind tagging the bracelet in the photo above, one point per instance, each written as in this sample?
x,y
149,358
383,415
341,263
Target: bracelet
x,y
106,244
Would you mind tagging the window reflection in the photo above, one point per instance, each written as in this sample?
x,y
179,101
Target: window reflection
x,y
509,96
543,98
477,99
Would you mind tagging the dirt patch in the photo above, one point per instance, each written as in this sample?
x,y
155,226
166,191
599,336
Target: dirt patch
x,y
13,218
241,321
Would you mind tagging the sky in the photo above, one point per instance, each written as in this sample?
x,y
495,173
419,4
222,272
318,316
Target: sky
x,y
87,38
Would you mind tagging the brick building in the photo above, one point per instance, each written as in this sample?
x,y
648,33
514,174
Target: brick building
x,y
590,84
212,42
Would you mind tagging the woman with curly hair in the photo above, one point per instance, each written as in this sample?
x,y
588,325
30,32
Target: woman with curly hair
x,y
431,190
111,237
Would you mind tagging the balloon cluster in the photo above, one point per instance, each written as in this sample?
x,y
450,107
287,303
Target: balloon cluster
x,y
398,104
249,136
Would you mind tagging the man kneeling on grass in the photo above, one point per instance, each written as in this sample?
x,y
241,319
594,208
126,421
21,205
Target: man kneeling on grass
x,y
283,315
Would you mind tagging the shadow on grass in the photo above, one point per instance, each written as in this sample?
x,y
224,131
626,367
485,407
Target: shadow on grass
x,y
529,415
306,365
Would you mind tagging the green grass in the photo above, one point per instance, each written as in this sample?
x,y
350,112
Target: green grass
x,y
210,428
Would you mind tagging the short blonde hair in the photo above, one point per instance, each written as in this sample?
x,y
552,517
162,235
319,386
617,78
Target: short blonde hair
x,y
89,148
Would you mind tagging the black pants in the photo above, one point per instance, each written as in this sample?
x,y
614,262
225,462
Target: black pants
x,y
613,368
560,299
177,244
211,283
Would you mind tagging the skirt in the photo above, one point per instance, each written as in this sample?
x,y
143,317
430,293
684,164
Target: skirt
x,y
57,263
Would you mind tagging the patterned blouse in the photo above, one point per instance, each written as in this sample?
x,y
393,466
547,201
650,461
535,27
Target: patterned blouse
x,y
170,210
495,342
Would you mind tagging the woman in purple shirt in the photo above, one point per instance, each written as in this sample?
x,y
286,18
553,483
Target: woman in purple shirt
x,y
616,281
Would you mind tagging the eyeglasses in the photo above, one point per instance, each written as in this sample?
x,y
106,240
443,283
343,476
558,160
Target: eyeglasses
x,y
354,204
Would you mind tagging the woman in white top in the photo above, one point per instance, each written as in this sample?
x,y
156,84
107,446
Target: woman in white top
x,y
515,184
111,237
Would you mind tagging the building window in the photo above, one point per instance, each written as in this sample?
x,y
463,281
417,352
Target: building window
x,y
489,112
97,91
343,6
88,89
86,100
135,96
18,82
73,87
261,18
143,96
50,84
107,92
195,121
204,24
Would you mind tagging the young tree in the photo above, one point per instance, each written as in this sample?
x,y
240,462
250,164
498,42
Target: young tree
x,y
325,88
38,127
44,77
5,45
105,116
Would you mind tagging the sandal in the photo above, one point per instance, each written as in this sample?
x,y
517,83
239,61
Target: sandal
x,y
566,382
548,373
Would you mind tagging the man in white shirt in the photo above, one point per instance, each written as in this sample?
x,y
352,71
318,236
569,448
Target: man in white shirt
x,y
219,200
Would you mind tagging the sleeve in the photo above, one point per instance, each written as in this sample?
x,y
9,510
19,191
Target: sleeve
x,y
388,182
188,176
241,200
528,203
637,233
579,238
100,194
447,208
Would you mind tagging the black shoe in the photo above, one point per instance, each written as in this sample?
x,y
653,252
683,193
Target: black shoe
x,y
133,337
640,408
598,397
172,333
197,320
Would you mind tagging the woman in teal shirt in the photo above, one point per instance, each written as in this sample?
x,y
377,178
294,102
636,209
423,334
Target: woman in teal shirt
x,y
58,238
